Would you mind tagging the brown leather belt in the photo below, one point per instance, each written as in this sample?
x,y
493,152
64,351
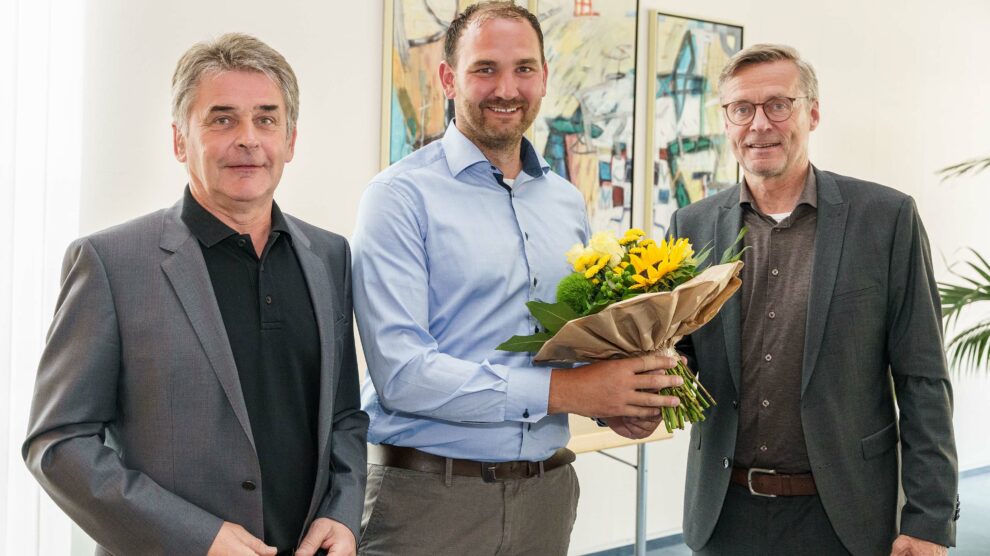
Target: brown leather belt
x,y
767,482
417,460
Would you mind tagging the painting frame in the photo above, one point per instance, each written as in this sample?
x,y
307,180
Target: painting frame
x,y
701,85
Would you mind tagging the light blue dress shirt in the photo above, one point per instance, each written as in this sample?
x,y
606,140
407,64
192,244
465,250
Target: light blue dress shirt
x,y
445,259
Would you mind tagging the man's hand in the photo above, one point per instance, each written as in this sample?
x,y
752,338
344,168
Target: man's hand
x,y
632,427
905,545
614,388
234,540
330,535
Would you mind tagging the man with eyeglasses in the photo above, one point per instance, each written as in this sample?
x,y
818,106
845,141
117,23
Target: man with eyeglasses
x,y
837,327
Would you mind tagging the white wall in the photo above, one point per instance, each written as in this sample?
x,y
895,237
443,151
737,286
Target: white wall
x,y
904,92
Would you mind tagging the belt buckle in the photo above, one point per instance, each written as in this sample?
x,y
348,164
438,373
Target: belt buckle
x,y
488,472
749,480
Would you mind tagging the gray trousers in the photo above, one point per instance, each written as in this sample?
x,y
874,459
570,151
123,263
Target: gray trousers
x,y
411,513
783,526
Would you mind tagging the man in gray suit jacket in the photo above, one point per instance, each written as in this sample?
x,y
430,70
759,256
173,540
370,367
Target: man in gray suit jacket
x,y
838,313
198,393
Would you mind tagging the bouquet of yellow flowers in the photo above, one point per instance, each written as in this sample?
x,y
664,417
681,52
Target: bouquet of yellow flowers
x,y
631,296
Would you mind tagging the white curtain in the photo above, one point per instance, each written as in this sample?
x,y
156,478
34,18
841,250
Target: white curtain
x,y
41,101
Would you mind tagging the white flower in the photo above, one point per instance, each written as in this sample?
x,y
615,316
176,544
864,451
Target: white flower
x,y
605,243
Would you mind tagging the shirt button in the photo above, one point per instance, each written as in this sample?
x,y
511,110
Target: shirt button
x,y
768,357
775,272
534,281
763,448
766,403
526,414
268,299
527,235
772,314
725,463
248,485
241,242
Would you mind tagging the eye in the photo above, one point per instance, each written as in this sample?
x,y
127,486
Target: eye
x,y
741,109
778,104
486,70
526,69
266,120
223,120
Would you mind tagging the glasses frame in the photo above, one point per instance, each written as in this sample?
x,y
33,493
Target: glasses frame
x,y
725,108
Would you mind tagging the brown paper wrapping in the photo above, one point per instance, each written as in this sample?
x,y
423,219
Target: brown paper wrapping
x,y
646,323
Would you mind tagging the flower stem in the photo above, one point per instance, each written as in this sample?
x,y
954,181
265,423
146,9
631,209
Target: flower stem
x,y
693,396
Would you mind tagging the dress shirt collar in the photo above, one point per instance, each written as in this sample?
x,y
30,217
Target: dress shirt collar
x,y
209,230
809,195
461,154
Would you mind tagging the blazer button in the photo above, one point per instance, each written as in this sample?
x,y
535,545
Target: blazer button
x,y
248,485
725,463
735,404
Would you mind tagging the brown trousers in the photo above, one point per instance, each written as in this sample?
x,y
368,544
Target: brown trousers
x,y
411,513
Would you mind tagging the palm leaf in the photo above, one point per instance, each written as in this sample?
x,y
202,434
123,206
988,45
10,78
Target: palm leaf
x,y
974,166
956,297
971,347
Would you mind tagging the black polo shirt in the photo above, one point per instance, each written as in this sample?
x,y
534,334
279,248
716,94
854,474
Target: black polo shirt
x,y
268,315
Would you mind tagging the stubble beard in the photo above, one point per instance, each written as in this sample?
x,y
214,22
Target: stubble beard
x,y
506,138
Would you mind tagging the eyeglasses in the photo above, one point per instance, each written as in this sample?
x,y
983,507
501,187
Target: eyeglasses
x,y
777,109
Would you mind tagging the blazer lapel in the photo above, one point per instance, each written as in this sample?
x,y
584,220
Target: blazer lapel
x,y
186,271
321,293
829,236
726,229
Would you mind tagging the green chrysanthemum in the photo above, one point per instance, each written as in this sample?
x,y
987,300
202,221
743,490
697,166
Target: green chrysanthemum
x,y
575,290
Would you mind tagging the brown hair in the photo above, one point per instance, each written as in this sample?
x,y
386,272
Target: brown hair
x,y
482,12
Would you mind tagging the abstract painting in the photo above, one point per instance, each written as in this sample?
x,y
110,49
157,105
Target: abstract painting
x,y
585,128
690,158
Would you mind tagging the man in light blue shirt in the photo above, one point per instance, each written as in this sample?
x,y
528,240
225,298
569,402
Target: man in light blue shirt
x,y
451,242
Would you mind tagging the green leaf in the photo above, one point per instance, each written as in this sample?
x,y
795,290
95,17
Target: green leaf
x,y
974,166
520,344
728,256
552,316
971,346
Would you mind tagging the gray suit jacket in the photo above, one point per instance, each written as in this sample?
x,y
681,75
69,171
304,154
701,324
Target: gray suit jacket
x,y
873,316
138,428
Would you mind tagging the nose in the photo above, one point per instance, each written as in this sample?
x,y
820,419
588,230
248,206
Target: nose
x,y
247,136
506,86
760,120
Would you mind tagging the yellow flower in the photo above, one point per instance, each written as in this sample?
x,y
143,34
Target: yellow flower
x,y
574,253
600,264
653,262
631,235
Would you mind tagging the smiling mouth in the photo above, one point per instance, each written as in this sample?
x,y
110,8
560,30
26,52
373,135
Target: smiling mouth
x,y
762,145
499,110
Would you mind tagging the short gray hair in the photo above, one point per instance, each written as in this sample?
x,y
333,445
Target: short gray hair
x,y
767,53
231,52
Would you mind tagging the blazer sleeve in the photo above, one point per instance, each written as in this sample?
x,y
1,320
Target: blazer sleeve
x,y
349,450
924,395
75,398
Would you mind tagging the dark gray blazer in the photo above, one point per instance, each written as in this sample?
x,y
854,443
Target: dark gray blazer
x,y
873,316
138,427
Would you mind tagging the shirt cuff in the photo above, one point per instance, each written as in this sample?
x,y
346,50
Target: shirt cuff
x,y
528,394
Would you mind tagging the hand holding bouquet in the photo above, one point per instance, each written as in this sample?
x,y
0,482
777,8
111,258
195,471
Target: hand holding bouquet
x,y
629,297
